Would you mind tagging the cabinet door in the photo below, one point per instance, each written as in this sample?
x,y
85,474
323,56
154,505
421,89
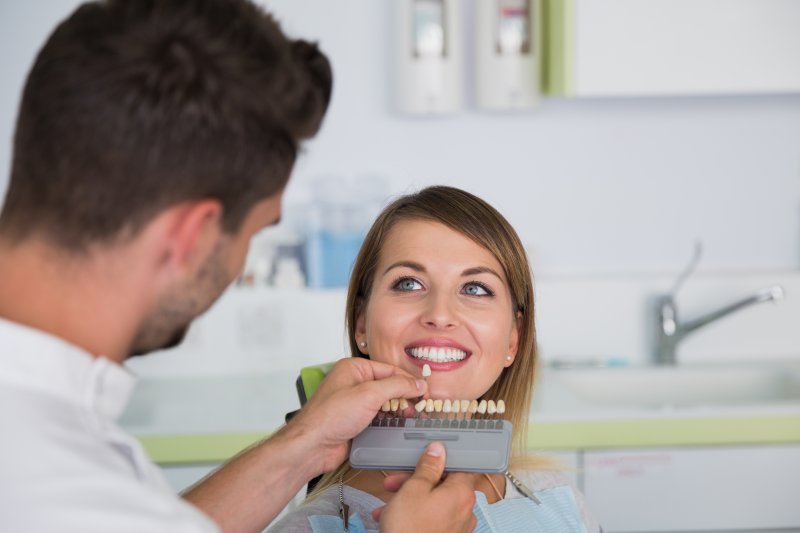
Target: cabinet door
x,y
744,488
673,47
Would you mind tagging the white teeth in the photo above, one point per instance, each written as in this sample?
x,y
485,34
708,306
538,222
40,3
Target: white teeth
x,y
438,355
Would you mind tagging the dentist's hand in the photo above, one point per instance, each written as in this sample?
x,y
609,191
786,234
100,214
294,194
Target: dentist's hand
x,y
426,503
345,403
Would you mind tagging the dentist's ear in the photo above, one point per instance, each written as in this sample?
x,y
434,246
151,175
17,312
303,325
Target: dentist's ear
x,y
193,233
184,235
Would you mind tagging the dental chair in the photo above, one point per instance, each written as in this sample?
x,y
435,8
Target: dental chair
x,y
309,379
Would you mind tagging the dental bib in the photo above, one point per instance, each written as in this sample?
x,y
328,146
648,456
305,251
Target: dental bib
x,y
558,513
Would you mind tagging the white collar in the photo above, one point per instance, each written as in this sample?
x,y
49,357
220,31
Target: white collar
x,y
34,359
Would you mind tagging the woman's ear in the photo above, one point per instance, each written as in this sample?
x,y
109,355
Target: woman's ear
x,y
360,330
513,342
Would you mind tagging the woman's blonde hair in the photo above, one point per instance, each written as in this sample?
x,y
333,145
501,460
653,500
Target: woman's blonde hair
x,y
474,218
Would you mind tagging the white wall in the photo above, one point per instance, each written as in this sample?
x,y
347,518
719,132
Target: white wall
x,y
593,186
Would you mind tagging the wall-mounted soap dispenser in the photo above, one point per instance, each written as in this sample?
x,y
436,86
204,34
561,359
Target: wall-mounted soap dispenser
x,y
428,52
507,54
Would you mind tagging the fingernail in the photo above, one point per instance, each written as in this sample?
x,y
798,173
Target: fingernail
x,y
420,385
435,449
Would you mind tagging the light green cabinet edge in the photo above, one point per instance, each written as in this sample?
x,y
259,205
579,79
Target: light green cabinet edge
x,y
556,38
214,448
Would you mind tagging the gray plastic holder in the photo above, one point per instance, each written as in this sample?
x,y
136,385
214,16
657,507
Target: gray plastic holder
x,y
397,443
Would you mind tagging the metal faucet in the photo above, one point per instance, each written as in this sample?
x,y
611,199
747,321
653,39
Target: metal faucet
x,y
671,331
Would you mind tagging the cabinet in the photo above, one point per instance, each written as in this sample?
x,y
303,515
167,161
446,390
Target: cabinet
x,y
726,488
672,47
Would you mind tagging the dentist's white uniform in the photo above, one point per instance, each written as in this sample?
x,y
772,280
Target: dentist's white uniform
x,y
65,465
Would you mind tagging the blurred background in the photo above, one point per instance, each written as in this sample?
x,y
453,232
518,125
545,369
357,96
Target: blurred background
x,y
615,135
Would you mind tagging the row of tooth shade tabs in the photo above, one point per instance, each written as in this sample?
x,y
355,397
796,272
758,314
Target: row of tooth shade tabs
x,y
467,408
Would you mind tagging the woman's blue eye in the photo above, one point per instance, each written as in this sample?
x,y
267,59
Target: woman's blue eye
x,y
476,289
407,284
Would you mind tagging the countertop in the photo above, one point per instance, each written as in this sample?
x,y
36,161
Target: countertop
x,y
209,419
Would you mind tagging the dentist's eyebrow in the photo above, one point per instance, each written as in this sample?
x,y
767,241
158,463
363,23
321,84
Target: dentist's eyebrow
x,y
408,264
481,270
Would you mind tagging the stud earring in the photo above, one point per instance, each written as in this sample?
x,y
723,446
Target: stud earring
x,y
508,358
363,344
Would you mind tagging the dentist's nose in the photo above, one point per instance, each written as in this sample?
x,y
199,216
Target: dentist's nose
x,y
439,313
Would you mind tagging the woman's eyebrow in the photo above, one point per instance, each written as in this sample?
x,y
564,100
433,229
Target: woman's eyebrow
x,y
409,264
481,270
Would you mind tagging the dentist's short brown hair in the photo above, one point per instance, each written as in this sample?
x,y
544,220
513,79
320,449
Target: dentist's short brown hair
x,y
133,106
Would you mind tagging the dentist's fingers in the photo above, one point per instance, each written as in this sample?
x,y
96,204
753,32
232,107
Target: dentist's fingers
x,y
345,403
394,482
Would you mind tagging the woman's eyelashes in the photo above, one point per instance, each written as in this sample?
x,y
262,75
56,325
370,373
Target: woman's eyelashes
x,y
406,284
477,288
471,288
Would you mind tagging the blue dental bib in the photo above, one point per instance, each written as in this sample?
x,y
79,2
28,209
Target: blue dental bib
x,y
558,513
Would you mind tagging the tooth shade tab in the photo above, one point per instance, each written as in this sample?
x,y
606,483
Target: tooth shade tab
x,y
404,404
438,354
491,407
482,407
447,407
386,406
473,406
429,406
426,370
501,407
464,406
420,406
456,406
437,406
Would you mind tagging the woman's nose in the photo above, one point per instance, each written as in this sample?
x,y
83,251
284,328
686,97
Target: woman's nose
x,y
439,312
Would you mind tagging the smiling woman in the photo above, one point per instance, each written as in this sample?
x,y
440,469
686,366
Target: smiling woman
x,y
442,281
439,298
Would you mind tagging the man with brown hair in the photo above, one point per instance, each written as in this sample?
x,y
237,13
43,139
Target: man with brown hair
x,y
154,138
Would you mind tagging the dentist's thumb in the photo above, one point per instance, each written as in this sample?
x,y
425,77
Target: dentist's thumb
x,y
425,477
430,466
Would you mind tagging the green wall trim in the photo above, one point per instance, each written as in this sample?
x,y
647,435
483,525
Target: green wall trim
x,y
558,47
664,432
596,434
199,448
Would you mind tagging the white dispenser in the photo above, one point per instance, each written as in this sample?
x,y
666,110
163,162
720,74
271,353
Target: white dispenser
x,y
428,54
507,54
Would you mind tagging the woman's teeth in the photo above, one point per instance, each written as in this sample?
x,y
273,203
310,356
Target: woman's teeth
x,y
438,355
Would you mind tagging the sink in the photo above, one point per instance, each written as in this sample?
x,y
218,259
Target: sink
x,y
654,387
